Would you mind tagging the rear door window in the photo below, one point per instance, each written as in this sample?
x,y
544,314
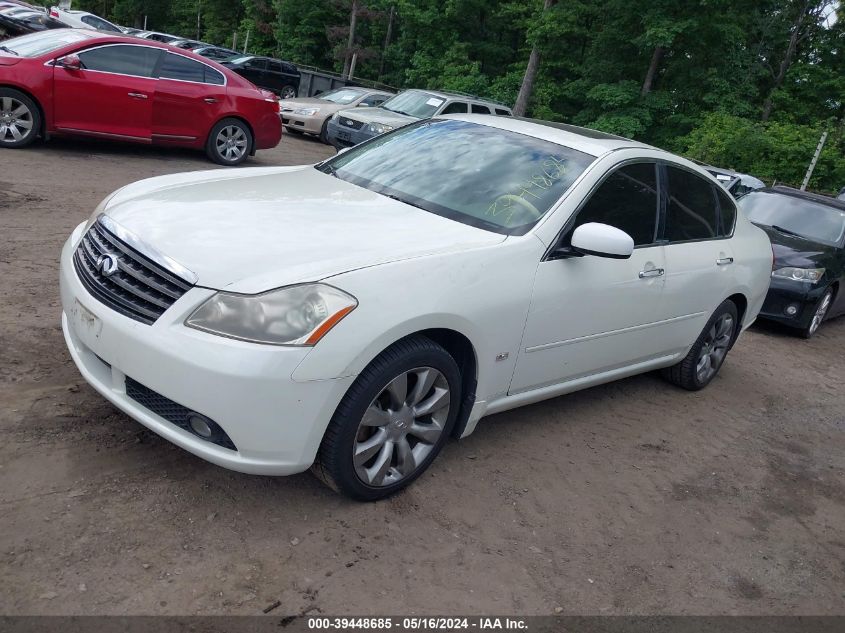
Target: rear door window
x,y
477,108
181,68
692,211
122,59
456,107
275,67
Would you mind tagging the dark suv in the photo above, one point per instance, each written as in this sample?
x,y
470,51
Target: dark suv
x,y
265,72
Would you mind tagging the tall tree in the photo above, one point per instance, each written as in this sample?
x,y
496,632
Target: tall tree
x,y
527,87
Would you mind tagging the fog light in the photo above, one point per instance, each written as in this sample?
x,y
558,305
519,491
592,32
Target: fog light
x,y
199,425
791,309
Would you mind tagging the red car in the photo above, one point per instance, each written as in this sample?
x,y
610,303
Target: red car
x,y
80,82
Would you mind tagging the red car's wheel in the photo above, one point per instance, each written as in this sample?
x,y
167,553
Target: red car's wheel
x,y
230,142
20,119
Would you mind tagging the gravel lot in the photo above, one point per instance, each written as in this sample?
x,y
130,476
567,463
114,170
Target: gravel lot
x,y
634,497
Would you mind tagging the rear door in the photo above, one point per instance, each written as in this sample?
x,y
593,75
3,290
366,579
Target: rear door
x,y
699,259
255,70
111,95
188,99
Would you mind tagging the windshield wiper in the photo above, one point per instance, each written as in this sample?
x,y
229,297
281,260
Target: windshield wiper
x,y
328,169
787,231
9,50
398,112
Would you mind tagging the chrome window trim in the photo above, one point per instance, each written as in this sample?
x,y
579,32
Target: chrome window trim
x,y
146,250
52,62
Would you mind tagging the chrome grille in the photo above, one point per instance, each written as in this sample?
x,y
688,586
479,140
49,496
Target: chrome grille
x,y
139,288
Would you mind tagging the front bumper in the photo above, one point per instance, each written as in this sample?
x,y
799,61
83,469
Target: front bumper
x,y
342,136
310,124
785,296
275,423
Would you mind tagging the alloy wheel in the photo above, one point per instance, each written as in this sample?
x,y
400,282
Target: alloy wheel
x,y
288,92
16,120
821,313
401,427
231,143
714,348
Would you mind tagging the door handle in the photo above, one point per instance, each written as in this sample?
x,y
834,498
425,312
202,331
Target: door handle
x,y
724,261
652,272
210,100
137,95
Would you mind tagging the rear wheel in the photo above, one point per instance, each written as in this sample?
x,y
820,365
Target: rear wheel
x,y
287,92
822,308
392,422
705,358
229,143
20,119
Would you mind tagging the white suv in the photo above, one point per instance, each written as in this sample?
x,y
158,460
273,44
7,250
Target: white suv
x,y
356,313
83,20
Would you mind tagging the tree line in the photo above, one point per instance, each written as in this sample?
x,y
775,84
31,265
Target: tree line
x,y
745,84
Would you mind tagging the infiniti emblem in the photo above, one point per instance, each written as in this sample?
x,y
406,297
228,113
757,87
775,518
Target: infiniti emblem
x,y
107,264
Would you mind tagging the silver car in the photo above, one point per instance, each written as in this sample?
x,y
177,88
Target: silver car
x,y
311,115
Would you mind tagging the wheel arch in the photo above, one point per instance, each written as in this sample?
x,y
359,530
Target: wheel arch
x,y
238,117
741,303
43,131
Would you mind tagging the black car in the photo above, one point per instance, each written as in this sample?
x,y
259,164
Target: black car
x,y
24,23
265,72
808,244
217,53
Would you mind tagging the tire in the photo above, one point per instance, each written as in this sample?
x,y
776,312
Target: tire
x,y
324,132
218,146
714,342
287,92
820,312
395,443
20,119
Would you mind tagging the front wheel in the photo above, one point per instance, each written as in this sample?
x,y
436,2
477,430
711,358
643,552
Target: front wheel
x,y
20,119
229,143
392,422
822,308
705,358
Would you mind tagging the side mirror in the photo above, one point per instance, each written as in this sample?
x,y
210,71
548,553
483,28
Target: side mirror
x,y
70,62
602,240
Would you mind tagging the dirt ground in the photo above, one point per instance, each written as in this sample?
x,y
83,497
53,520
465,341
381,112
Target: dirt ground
x,y
632,498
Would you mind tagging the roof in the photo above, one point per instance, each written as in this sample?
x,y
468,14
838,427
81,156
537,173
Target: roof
x,y
447,94
806,195
583,139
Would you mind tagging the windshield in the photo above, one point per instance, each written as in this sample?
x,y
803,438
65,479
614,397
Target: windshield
x,y
479,175
813,220
341,95
36,44
420,105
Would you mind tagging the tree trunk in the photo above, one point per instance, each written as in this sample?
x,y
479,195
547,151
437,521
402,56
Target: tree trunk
x,y
386,41
353,20
527,87
656,58
787,61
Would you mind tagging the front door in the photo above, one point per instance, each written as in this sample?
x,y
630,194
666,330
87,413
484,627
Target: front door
x,y
111,95
593,314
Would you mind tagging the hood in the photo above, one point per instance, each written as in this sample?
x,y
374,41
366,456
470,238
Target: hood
x,y
251,230
801,252
379,115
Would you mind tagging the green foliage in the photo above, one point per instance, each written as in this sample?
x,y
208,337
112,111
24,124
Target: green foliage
x,y
714,63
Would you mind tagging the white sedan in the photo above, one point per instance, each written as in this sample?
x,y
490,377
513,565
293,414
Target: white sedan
x,y
352,315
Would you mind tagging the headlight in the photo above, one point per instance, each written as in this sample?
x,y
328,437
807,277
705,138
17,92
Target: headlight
x,y
306,111
379,128
296,315
799,274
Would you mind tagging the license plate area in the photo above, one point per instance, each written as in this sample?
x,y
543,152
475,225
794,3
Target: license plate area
x,y
86,324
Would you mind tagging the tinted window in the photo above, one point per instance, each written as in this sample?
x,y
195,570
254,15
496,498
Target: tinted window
x,y
275,67
139,61
256,64
627,199
691,213
502,112
728,209
184,69
480,109
490,178
456,107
